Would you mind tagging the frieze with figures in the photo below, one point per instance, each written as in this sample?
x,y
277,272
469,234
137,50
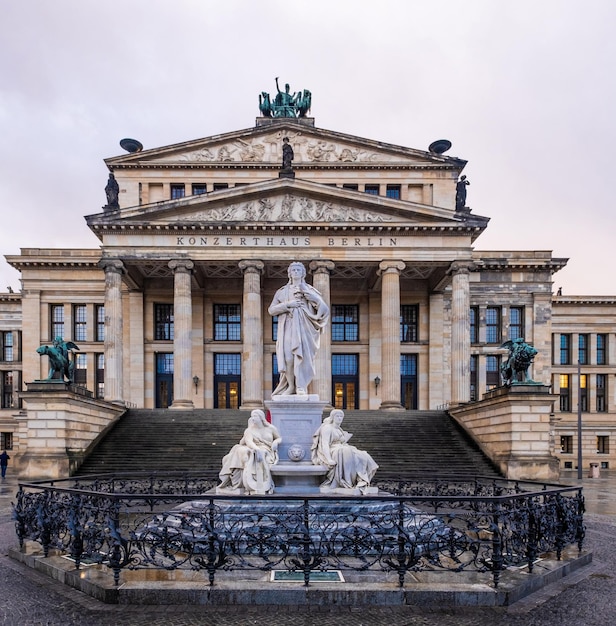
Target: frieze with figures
x,y
286,209
266,149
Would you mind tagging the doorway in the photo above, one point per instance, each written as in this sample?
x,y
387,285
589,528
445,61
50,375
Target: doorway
x,y
227,381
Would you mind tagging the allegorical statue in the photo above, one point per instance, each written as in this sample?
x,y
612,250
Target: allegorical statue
x,y
287,154
518,361
60,360
285,104
461,186
246,469
113,193
302,315
348,467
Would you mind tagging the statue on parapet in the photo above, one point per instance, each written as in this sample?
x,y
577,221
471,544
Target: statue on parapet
x,y
348,467
247,467
461,186
285,104
112,190
302,316
60,359
515,368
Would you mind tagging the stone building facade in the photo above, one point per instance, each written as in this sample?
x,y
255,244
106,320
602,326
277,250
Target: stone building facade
x,y
171,311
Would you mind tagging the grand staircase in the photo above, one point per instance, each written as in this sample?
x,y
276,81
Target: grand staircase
x,y
411,443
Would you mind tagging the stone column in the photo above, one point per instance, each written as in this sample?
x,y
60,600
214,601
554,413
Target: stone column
x,y
460,332
322,384
182,333
114,330
252,332
390,334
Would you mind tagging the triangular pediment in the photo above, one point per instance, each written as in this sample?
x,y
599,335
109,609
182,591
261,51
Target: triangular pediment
x,y
263,145
282,202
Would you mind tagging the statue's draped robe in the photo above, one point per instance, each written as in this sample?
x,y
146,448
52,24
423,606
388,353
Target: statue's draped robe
x,y
349,468
299,333
248,466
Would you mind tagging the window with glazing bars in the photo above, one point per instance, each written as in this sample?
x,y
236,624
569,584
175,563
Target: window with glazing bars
x,y
345,322
163,322
227,322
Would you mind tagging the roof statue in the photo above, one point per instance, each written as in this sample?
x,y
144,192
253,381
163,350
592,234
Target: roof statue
x,y
518,361
60,361
285,104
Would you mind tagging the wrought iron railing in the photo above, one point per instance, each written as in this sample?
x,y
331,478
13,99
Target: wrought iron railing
x,y
176,522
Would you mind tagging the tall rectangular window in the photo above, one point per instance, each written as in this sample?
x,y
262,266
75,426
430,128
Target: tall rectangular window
x,y
163,322
492,371
603,444
100,322
566,444
198,189
565,349
7,390
81,369
57,321
393,191
583,349
565,392
373,189
227,322
601,393
80,322
177,191
274,327
409,323
345,322
7,345
474,368
6,441
601,349
516,322
474,322
584,393
493,324
100,375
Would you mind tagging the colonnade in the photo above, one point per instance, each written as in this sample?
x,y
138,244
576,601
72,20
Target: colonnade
x,y
252,324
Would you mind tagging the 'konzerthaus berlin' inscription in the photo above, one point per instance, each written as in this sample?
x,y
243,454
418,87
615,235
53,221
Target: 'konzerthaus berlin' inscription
x,y
278,241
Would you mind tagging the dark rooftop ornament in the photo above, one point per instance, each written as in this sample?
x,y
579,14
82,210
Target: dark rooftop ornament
x,y
285,104
131,145
440,146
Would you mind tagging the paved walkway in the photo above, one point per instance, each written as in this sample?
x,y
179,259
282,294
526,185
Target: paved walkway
x,y
586,598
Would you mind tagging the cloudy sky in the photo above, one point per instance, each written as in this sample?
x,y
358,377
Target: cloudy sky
x,y
524,90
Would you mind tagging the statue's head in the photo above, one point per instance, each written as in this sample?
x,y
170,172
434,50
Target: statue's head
x,y
337,415
296,268
257,417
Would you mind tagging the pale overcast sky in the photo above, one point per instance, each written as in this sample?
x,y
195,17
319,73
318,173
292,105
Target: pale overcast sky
x,y
524,90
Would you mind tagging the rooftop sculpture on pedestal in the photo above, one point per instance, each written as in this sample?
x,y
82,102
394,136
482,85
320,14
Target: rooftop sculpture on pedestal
x,y
521,355
60,358
285,104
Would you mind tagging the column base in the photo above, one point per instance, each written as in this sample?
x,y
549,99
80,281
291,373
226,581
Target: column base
x,y
250,405
391,406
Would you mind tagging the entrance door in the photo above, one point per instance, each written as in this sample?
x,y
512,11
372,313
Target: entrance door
x,y
227,381
164,380
408,380
345,381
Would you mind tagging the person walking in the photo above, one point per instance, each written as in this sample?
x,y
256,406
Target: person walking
x,y
4,461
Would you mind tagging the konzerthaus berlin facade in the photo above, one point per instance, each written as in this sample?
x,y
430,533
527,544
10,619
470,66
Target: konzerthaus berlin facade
x,y
172,310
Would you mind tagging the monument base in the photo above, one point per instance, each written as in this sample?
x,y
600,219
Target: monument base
x,y
299,478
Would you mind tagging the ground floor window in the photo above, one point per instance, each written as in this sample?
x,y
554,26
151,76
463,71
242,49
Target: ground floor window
x,y
7,390
227,380
164,380
565,392
6,441
566,444
345,381
100,375
408,381
603,444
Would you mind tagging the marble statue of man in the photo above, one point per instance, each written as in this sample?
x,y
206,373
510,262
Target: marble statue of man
x,y
302,315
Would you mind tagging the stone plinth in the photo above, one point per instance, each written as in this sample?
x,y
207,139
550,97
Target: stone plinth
x,y
297,418
60,422
513,426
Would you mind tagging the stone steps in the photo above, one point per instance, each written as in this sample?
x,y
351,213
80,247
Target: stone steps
x,y
426,443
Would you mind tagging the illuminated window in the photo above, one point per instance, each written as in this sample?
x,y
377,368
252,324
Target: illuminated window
x,y
565,392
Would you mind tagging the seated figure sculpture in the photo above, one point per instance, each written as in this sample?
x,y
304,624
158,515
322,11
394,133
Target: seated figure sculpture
x,y
348,468
246,468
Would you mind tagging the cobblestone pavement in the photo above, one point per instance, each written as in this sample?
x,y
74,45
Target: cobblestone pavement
x,y
586,598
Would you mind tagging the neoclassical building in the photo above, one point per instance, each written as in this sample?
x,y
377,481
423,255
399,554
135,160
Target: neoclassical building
x,y
196,237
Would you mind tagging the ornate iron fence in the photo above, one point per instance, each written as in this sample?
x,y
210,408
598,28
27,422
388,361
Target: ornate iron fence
x,y
177,522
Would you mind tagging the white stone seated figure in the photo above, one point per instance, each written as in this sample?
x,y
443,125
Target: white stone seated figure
x,y
246,468
348,468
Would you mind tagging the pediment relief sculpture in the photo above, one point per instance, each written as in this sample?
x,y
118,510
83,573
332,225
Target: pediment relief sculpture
x,y
285,209
266,148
